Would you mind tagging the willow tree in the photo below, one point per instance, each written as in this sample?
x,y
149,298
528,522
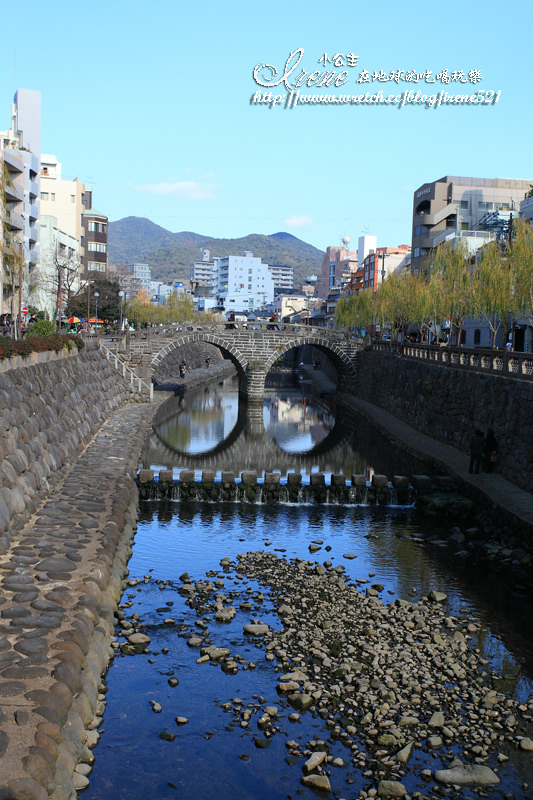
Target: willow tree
x,y
355,310
399,300
179,308
492,289
520,263
451,265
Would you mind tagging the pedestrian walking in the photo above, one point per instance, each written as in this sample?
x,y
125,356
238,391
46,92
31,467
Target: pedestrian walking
x,y
489,454
477,448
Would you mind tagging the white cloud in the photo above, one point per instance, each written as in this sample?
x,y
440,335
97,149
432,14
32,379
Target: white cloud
x,y
298,221
193,190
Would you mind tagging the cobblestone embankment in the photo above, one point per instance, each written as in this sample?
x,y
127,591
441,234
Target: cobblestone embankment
x,y
70,443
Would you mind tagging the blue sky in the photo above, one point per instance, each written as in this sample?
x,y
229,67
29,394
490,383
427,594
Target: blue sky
x,y
150,102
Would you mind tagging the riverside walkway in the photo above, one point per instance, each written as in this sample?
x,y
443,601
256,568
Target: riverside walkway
x,y
60,583
496,489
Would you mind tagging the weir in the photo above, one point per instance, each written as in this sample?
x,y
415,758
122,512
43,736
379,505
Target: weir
x,y
251,489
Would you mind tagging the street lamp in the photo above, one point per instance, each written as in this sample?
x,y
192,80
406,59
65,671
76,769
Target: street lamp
x,y
96,296
121,295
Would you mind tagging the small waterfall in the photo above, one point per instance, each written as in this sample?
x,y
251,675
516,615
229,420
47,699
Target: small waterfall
x,y
364,493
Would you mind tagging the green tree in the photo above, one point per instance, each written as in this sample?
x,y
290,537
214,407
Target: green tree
x,y
520,263
452,266
492,288
399,301
108,301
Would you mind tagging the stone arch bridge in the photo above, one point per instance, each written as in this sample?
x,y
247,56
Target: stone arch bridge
x,y
253,348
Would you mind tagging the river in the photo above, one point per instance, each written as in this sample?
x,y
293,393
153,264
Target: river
x,y
215,751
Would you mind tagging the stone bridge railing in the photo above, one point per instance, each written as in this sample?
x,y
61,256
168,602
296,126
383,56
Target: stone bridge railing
x,y
506,363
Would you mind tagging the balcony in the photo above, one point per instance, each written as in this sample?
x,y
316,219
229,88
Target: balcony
x,y
14,221
14,193
14,160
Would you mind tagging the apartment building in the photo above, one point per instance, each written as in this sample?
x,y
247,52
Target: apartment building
x,y
338,263
244,283
202,272
455,206
20,152
283,277
383,262
70,201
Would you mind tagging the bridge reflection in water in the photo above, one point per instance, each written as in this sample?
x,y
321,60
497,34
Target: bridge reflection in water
x,y
293,432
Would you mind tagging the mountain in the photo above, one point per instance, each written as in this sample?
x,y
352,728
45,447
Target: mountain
x,y
137,239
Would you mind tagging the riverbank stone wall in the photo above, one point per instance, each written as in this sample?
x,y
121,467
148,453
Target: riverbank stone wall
x,y
48,412
71,433
449,404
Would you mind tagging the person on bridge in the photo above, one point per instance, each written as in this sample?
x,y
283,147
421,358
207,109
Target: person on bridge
x,y
477,447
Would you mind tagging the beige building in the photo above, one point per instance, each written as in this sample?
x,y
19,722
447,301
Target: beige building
x,y
60,198
70,202
455,205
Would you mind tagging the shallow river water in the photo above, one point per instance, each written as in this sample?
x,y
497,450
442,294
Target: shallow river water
x,y
217,753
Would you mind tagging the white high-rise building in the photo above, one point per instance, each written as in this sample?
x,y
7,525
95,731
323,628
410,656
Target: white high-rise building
x,y
244,283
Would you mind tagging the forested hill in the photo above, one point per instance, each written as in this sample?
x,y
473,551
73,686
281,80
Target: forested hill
x,y
137,239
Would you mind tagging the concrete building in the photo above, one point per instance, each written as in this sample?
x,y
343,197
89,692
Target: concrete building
x,y
380,264
60,198
70,201
20,148
338,263
93,248
202,272
133,278
283,277
292,307
526,206
59,277
455,206
244,283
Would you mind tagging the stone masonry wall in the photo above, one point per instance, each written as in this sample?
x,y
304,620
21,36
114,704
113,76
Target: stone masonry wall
x,y
449,404
48,412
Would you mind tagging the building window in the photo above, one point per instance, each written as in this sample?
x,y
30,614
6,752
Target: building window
x,y
97,247
463,205
44,195
477,336
97,227
53,196
72,198
96,266
464,226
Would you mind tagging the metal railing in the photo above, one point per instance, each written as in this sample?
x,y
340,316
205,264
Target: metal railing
x,y
505,363
120,365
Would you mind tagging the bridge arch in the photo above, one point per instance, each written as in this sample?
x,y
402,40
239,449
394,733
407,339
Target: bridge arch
x,y
341,361
167,354
254,351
